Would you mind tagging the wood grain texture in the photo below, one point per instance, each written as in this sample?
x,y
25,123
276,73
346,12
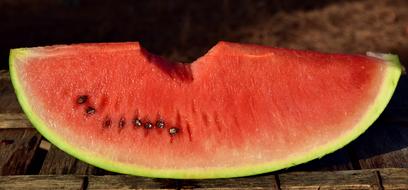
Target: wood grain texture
x,y
59,162
352,179
131,182
391,178
267,181
36,182
394,178
8,100
4,75
14,120
17,149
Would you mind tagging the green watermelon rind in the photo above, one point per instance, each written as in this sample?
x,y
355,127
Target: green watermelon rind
x,y
391,78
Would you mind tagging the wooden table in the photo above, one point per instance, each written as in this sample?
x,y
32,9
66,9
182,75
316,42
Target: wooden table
x,y
376,160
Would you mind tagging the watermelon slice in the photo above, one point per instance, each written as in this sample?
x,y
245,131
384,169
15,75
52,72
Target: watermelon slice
x,y
239,110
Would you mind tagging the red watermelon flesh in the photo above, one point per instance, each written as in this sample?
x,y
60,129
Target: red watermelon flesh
x,y
238,110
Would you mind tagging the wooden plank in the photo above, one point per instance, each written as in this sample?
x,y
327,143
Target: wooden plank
x,y
132,182
41,182
394,178
17,149
267,181
59,162
8,100
129,182
4,75
351,179
14,120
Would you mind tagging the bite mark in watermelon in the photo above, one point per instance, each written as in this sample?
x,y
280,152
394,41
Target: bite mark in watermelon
x,y
239,110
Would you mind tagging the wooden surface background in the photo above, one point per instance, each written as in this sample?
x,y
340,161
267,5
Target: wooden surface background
x,y
183,30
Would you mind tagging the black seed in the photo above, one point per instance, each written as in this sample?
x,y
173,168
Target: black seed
x,y
107,123
148,125
90,110
82,99
160,124
173,131
137,122
122,122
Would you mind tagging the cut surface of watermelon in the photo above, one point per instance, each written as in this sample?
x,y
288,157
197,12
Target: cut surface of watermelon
x,y
239,110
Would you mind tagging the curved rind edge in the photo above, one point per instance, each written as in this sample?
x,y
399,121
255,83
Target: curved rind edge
x,y
391,78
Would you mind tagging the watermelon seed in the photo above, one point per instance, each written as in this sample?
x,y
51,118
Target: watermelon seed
x,y
173,131
137,122
160,124
148,125
90,110
82,99
107,123
122,122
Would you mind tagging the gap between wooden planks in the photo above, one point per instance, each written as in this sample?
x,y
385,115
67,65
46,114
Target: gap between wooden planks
x,y
389,178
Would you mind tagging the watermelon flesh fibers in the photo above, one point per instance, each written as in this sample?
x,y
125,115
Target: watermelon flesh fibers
x,y
239,110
